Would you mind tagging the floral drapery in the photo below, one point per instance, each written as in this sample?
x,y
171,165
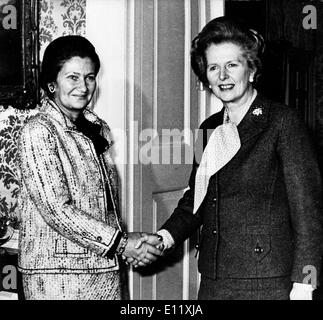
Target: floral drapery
x,y
57,18
60,18
11,121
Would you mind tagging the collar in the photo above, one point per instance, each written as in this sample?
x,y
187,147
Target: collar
x,y
255,120
49,107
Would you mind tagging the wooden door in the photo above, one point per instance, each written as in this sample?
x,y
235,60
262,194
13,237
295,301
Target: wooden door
x,y
163,111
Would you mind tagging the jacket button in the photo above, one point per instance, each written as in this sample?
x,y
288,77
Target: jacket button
x,y
214,231
214,199
259,249
99,238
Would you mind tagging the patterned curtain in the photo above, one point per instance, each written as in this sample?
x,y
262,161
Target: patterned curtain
x,y
11,121
57,18
60,18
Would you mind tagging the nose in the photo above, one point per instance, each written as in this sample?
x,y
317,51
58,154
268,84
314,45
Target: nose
x,y
82,86
223,74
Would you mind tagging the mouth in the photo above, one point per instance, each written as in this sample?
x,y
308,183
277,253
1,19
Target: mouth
x,y
226,87
80,96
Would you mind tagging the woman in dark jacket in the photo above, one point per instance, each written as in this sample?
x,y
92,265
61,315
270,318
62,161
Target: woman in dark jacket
x,y
256,189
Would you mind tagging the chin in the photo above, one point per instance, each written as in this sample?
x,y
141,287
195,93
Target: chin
x,y
80,106
227,97
230,96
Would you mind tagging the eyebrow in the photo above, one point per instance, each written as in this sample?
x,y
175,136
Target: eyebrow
x,y
77,73
230,61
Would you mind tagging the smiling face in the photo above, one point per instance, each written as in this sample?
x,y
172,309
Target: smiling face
x,y
75,86
228,73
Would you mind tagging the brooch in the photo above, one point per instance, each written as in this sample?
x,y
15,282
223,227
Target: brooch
x,y
257,111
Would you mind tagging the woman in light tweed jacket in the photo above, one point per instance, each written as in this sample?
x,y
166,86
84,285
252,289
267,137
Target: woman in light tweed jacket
x,y
70,230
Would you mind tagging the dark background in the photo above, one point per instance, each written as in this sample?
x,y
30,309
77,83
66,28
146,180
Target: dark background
x,y
293,61
10,50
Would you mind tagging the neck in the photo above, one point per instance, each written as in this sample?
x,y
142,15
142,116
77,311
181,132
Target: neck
x,y
237,110
72,115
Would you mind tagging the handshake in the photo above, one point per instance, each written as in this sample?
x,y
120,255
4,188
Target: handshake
x,y
141,249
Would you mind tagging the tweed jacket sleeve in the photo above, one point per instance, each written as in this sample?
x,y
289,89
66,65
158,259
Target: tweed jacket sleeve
x,y
42,174
304,191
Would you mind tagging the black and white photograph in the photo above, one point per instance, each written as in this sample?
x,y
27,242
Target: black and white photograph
x,y
161,150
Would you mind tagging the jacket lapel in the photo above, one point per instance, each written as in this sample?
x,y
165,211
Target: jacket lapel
x,y
50,107
256,119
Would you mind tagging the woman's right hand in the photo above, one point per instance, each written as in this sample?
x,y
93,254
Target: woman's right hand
x,y
141,249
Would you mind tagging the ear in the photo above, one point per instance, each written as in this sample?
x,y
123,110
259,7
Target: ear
x,y
51,87
252,75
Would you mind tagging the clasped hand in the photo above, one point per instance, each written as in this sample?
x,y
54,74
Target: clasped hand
x,y
142,249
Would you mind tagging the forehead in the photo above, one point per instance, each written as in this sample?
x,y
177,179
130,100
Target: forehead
x,y
223,52
78,65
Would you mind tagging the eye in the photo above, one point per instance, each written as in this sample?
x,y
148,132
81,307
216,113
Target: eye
x,y
73,77
213,68
232,65
90,78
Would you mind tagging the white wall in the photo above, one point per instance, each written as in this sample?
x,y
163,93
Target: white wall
x,y
209,9
217,10
106,29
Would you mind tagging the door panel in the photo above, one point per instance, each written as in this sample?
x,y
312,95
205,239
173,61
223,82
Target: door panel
x,y
164,105
170,64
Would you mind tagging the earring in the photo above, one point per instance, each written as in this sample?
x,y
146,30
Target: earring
x,y
251,80
51,88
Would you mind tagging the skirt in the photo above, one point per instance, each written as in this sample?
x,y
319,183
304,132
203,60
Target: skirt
x,y
83,286
245,289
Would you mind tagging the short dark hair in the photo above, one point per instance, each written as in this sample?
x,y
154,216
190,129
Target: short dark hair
x,y
221,30
61,50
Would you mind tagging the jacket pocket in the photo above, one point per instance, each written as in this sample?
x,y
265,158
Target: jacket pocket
x,y
65,247
248,246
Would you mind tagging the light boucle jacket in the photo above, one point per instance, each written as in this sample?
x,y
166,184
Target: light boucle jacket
x,y
65,226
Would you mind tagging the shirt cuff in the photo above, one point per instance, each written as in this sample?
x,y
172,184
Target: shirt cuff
x,y
303,286
112,251
168,240
301,291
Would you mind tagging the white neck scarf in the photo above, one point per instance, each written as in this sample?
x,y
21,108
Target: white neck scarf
x,y
222,146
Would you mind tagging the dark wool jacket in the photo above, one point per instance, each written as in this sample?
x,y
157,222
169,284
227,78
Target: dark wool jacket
x,y
262,215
